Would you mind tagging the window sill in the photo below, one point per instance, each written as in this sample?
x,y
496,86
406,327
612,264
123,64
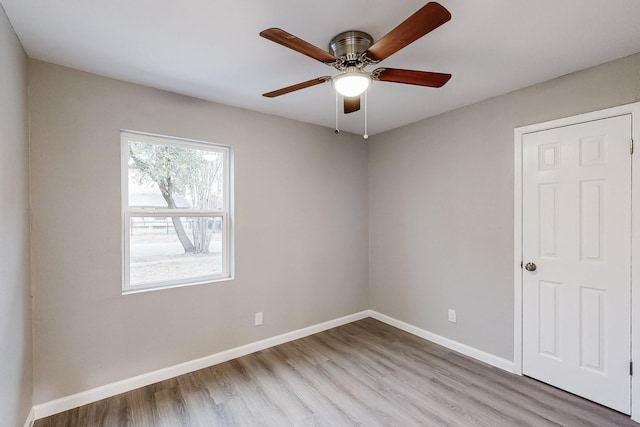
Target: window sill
x,y
180,285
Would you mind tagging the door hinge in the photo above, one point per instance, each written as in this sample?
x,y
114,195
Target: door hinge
x,y
631,146
630,368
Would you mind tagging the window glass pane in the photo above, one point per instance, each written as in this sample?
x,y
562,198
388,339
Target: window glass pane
x,y
166,249
175,177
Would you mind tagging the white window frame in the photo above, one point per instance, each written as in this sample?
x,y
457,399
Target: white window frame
x,y
133,212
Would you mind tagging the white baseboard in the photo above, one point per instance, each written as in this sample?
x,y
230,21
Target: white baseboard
x,y
93,395
30,418
480,355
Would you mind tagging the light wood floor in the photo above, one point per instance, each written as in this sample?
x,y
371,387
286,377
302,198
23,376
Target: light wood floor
x,y
365,373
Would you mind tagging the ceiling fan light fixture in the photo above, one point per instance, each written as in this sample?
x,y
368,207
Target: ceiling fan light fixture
x,y
352,82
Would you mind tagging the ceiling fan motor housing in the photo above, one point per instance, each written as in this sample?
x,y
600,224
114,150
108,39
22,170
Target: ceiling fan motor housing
x,y
350,45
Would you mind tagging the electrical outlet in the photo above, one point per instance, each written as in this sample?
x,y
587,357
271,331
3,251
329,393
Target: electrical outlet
x,y
258,319
452,315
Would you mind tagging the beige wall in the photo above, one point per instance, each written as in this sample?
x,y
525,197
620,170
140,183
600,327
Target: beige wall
x,y
301,232
441,205
15,302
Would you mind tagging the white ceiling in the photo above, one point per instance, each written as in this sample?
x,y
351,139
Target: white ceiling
x,y
211,49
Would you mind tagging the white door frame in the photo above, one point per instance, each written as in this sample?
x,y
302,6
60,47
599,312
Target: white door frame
x,y
634,110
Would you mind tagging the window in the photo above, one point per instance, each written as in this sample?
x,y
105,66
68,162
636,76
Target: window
x,y
176,212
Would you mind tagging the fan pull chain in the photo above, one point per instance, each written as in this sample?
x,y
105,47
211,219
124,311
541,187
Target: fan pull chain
x,y
337,131
366,134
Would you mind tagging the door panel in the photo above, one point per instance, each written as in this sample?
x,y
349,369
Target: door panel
x,y
577,230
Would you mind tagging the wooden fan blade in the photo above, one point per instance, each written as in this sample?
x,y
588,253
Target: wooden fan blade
x,y
295,87
292,42
351,104
425,20
411,77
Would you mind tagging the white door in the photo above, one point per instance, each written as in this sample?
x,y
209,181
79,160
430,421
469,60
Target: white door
x,y
577,231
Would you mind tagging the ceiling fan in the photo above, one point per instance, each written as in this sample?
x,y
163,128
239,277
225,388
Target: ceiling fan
x,y
352,51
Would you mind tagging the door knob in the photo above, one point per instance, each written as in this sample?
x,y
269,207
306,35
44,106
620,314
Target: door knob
x,y
530,266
